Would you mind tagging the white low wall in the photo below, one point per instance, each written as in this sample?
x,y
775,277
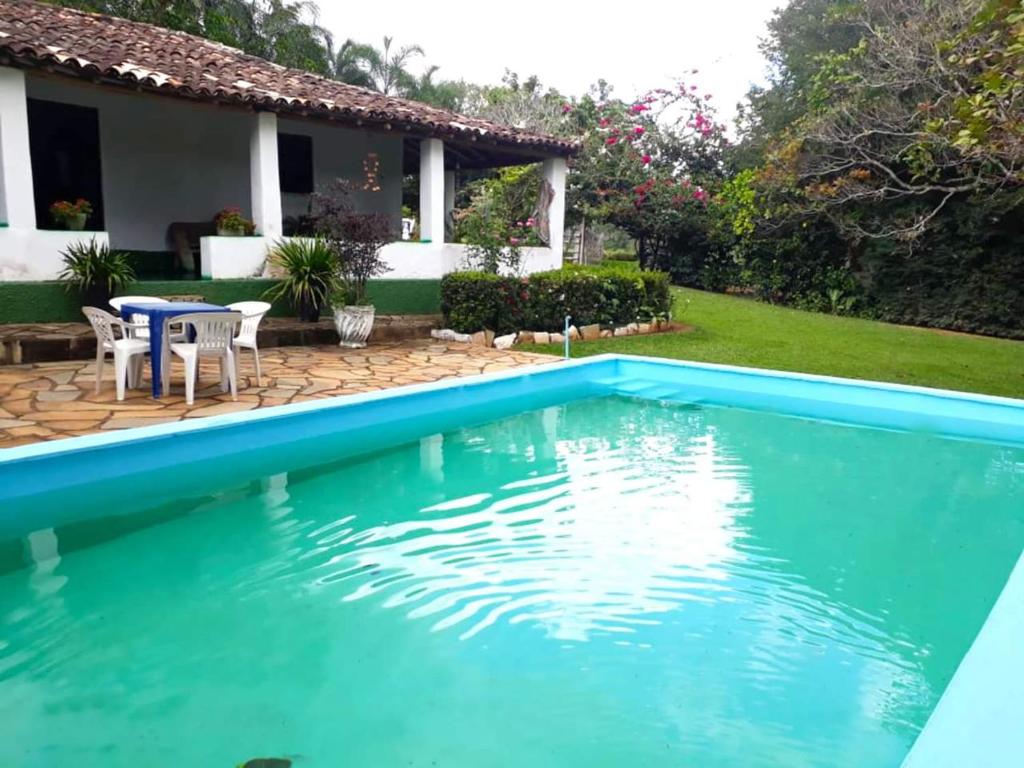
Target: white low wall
x,y
229,257
239,257
35,254
432,260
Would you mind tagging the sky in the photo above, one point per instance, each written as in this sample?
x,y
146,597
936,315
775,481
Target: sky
x,y
635,46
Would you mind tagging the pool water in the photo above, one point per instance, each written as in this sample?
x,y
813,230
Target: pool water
x,y
607,582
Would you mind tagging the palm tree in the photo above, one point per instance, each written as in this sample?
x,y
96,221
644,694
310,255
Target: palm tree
x,y
447,94
382,70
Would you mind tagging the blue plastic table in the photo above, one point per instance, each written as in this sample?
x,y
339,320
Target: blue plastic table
x,y
157,313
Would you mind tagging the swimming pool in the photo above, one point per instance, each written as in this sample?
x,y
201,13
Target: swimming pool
x,y
590,563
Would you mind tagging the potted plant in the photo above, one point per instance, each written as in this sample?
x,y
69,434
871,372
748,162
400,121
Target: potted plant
x,y
356,240
231,223
71,215
310,275
95,271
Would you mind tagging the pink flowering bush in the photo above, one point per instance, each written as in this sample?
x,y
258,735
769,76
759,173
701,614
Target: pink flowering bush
x,y
650,166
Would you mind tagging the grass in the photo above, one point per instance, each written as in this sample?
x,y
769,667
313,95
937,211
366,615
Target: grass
x,y
745,332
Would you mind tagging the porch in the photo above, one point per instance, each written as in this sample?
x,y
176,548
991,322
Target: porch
x,y
152,164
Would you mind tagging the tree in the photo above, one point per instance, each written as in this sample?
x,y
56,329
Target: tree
x,y
523,104
648,166
382,69
287,33
446,94
927,106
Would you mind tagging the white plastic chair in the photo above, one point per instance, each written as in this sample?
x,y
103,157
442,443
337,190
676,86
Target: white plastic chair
x,y
252,315
141,321
123,349
214,337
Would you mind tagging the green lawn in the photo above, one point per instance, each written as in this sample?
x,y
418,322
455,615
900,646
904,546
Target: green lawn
x,y
746,332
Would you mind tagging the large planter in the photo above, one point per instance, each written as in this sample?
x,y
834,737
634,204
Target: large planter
x,y
353,325
309,311
76,223
96,296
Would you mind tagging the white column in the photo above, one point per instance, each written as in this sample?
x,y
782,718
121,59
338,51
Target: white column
x,y
554,174
432,190
17,201
264,176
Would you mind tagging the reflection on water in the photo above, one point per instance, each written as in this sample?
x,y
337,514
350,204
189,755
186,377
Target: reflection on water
x,y
605,582
561,550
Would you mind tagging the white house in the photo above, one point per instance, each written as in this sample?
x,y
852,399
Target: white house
x,y
156,127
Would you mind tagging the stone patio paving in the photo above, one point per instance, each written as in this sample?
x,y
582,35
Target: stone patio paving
x,y
47,401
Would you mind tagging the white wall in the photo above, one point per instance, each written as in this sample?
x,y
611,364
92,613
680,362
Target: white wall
x,y
233,257
167,160
35,254
339,153
163,159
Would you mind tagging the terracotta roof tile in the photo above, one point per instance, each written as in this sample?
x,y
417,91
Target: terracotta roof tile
x,y
98,46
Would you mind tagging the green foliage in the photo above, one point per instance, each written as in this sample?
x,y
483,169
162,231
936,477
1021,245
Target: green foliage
x,y
882,167
281,31
471,301
499,220
619,254
89,266
310,274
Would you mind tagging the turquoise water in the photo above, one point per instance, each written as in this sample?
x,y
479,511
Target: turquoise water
x,y
604,583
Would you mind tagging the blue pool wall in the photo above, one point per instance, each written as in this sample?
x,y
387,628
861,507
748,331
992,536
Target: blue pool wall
x,y
977,720
192,457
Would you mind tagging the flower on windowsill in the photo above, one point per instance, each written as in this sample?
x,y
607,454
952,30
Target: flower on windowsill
x,y
65,212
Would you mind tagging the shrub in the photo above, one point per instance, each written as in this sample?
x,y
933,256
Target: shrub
x,y
95,271
616,295
619,254
355,238
310,275
471,301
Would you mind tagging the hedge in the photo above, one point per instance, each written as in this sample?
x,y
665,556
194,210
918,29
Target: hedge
x,y
606,295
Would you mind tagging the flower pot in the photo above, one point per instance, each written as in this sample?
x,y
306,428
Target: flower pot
x,y
309,311
353,325
76,223
226,232
96,296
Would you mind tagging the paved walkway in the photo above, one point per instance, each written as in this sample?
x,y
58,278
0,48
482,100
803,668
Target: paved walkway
x,y
47,401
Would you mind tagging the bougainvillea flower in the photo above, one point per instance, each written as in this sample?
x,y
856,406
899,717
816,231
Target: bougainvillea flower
x,y
566,109
639,130
604,122
610,140
646,159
